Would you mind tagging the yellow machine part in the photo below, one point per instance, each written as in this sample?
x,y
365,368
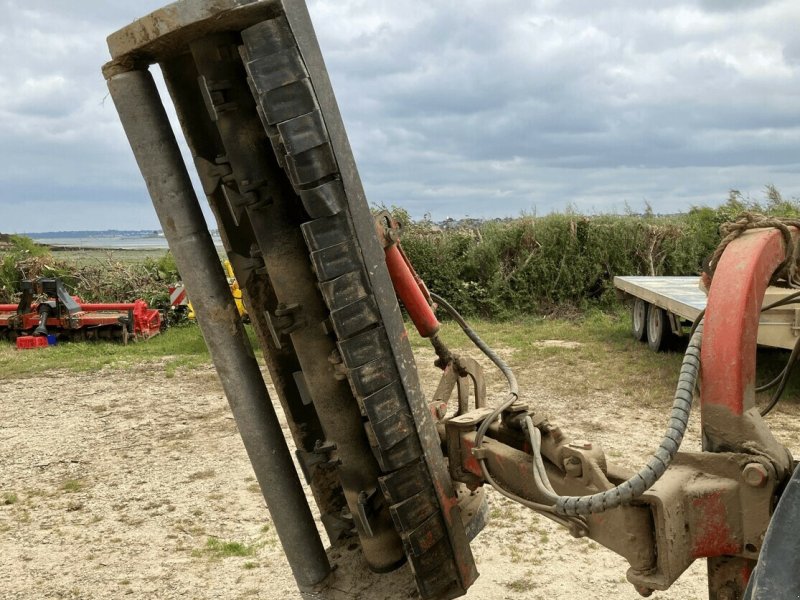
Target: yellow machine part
x,y
235,291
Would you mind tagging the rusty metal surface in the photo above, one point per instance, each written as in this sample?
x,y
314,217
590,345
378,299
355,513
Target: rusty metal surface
x,y
159,159
180,75
166,32
271,158
707,505
364,230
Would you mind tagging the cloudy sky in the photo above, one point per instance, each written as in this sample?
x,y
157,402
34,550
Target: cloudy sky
x,y
453,108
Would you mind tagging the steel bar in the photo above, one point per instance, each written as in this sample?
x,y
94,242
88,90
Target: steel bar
x,y
150,135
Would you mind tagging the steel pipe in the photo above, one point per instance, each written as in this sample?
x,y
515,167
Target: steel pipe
x,y
150,135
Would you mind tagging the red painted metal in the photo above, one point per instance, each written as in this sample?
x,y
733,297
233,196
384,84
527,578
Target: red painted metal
x,y
94,307
146,321
30,342
728,355
728,368
714,536
85,306
410,291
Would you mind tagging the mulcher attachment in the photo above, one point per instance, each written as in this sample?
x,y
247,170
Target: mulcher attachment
x,y
257,108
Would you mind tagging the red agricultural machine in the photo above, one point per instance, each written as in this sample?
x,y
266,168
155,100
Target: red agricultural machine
x,y
391,471
47,308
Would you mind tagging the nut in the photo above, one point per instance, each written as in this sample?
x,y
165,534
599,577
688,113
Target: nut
x,y
755,474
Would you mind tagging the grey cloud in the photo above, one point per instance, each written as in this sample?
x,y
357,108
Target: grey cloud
x,y
458,107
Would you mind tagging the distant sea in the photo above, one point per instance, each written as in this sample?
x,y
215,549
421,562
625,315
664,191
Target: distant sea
x,y
128,240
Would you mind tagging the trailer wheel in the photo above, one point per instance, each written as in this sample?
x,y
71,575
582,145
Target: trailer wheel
x,y
659,332
639,319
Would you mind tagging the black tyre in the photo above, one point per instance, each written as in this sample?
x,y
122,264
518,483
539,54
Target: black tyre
x,y
639,319
659,331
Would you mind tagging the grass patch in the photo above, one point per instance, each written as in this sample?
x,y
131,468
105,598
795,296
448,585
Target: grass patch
x,y
10,498
216,548
72,486
180,347
523,584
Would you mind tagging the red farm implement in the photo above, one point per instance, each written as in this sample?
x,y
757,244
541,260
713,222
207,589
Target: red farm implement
x,y
67,316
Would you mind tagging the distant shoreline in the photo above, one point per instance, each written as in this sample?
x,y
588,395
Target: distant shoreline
x,y
63,248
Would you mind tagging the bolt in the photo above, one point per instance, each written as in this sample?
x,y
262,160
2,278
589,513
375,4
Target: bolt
x,y
755,474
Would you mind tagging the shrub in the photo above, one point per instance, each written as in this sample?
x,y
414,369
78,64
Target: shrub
x,y
537,264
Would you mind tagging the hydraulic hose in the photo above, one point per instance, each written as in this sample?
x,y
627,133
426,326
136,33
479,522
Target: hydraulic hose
x,y
655,468
576,506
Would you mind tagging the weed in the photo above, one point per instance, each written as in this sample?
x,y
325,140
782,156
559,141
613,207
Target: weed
x,y
216,548
10,498
72,486
522,584
204,474
249,565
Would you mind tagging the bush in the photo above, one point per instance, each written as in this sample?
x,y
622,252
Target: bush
x,y
102,281
566,260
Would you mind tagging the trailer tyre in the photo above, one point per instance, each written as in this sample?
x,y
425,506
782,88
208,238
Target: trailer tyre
x,y
659,331
639,314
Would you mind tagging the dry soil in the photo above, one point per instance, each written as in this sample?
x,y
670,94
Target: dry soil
x,y
112,484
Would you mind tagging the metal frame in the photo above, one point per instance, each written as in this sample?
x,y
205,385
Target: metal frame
x,y
294,222
714,504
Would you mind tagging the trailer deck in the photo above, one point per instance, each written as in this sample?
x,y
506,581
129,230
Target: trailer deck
x,y
682,300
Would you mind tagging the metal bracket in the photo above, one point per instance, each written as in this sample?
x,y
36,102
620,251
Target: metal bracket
x,y
283,321
458,375
366,500
212,174
319,457
215,97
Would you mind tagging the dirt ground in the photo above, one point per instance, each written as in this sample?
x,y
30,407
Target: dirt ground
x,y
112,484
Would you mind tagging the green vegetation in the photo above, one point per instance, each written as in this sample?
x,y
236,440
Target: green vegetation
x,y
563,261
72,485
95,276
177,347
216,548
10,498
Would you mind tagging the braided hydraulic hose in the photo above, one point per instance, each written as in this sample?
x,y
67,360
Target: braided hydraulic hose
x,y
655,468
575,506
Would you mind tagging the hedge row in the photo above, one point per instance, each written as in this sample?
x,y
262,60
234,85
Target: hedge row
x,y
533,264
543,264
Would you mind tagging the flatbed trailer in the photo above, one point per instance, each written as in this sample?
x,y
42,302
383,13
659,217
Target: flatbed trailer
x,y
662,308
